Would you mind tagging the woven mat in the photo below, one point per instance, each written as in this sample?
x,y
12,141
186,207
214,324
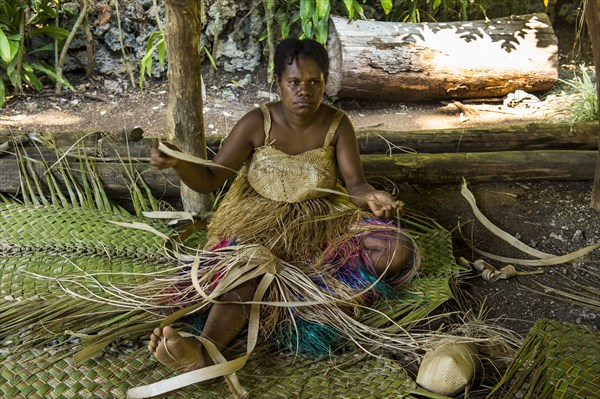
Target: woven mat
x,y
68,239
557,360
77,231
348,376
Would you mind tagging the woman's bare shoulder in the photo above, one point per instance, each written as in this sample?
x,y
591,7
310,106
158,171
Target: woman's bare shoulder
x,y
249,127
345,127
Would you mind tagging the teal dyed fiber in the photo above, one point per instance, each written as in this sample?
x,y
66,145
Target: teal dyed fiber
x,y
384,291
194,323
310,338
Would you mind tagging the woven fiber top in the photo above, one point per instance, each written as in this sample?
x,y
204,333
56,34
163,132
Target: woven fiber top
x,y
290,178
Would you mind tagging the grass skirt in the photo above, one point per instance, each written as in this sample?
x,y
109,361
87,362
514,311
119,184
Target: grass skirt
x,y
317,246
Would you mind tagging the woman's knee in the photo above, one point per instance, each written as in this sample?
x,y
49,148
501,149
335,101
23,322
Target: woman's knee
x,y
389,255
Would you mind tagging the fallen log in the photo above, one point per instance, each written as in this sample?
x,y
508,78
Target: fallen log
x,y
443,168
113,175
426,61
449,168
86,138
519,137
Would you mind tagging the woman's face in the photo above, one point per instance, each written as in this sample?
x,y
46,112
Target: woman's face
x,y
302,86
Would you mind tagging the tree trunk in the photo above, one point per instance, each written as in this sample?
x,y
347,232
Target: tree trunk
x,y
592,18
185,124
426,61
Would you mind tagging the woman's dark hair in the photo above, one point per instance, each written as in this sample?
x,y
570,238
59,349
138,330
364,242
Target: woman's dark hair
x,y
289,49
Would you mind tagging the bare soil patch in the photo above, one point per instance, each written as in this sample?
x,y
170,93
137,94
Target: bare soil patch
x,y
97,105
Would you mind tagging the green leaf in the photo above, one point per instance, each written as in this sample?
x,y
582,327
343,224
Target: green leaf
x,y
54,32
162,53
147,64
307,9
264,34
49,71
321,31
210,57
323,7
33,80
285,29
14,48
307,29
349,8
5,48
358,9
145,67
436,4
13,76
2,94
387,6
49,10
150,46
14,37
46,47
287,23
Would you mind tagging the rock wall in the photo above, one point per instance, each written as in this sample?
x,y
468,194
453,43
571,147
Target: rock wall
x,y
231,35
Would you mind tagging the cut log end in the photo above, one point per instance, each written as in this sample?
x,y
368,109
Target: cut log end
x,y
334,48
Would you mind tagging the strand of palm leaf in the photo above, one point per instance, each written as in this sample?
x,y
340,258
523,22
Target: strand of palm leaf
x,y
190,158
255,261
543,259
246,263
193,289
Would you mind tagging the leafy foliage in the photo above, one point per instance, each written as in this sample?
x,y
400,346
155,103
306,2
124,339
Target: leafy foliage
x,y
585,107
21,57
156,46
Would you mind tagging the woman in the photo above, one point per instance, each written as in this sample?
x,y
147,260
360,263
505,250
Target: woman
x,y
287,199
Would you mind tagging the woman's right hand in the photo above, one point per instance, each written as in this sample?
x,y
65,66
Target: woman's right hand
x,y
159,159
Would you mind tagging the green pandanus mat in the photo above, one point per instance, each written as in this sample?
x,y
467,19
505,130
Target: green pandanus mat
x,y
77,231
280,376
62,269
556,361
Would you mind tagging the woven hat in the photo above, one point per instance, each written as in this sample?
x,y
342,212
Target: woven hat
x,y
449,368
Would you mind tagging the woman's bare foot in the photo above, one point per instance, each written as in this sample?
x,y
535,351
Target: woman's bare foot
x,y
176,352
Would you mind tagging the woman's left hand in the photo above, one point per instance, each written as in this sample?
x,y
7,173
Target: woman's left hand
x,y
383,205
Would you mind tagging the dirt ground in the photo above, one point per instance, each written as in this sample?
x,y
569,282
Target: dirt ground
x,y
553,217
